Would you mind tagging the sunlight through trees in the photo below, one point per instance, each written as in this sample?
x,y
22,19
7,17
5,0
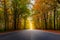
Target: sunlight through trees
x,y
31,25
29,14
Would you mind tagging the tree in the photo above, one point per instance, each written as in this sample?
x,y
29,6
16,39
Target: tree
x,y
44,6
5,15
20,10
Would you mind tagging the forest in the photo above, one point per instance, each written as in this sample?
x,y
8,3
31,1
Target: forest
x,y
29,14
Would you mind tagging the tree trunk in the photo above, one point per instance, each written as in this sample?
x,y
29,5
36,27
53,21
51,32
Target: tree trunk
x,y
5,16
54,17
25,22
38,23
15,16
18,22
15,19
45,19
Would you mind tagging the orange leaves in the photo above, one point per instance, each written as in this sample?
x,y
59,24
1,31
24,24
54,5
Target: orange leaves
x,y
44,5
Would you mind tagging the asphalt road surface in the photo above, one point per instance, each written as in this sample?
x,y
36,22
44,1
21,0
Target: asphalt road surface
x,y
30,35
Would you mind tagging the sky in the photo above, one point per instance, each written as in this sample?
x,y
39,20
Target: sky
x,y
32,3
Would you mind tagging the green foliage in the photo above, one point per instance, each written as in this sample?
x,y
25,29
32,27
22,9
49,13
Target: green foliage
x,y
20,11
58,12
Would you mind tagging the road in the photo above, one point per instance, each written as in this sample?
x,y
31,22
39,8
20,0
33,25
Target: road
x,y
30,35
